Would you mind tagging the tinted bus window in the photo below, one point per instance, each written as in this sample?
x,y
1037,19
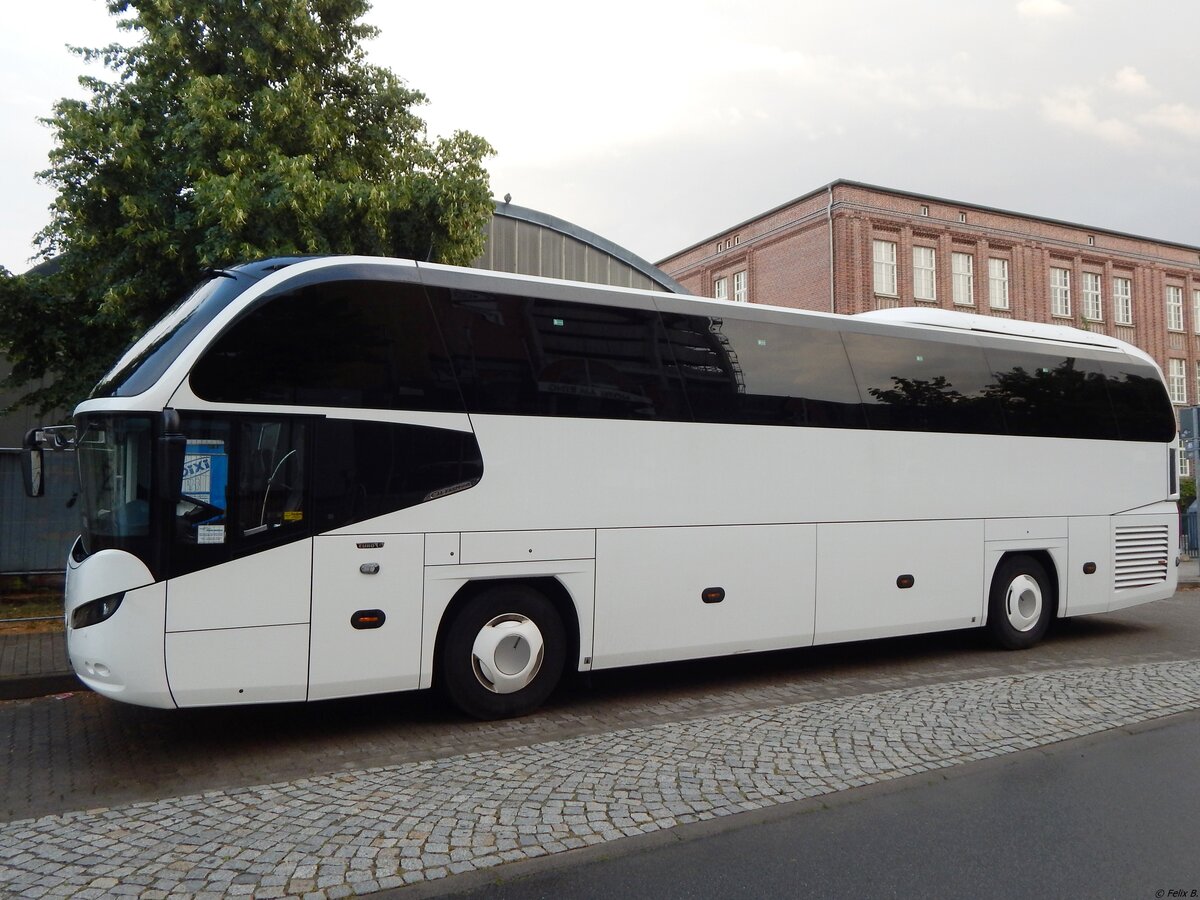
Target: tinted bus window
x,y
920,385
366,469
538,357
763,373
1045,395
357,344
1140,403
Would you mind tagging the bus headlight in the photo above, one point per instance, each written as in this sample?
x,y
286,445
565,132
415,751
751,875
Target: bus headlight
x,y
96,611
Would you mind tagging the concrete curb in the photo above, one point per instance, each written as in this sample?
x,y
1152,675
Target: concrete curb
x,y
27,687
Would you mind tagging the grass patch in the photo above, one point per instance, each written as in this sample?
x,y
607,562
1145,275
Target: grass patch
x,y
30,607
30,596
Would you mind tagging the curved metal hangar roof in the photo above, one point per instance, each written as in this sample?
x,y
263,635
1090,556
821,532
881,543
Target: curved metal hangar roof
x,y
528,242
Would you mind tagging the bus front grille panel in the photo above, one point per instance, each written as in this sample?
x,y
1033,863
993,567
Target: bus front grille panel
x,y
1141,558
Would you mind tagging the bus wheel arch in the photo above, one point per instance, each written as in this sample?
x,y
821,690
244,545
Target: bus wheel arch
x,y
1022,599
503,645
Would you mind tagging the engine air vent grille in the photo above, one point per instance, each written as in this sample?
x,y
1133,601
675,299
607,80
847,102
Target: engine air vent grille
x,y
1141,556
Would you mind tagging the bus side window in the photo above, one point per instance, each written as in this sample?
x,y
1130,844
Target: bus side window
x,y
204,500
366,469
271,472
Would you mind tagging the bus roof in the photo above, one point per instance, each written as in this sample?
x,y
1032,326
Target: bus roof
x,y
963,321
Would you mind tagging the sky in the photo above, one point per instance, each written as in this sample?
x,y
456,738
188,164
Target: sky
x,y
658,124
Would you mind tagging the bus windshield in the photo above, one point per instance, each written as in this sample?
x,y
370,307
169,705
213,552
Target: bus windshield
x,y
150,356
114,455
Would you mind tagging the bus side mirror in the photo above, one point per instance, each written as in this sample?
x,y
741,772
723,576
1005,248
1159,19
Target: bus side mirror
x,y
169,483
32,471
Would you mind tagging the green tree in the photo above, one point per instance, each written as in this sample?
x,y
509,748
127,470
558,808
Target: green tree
x,y
234,130
1187,493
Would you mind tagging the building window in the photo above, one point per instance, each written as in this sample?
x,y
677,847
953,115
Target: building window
x,y
1198,378
1177,380
739,287
963,267
962,217
1093,307
1123,301
721,289
1060,291
998,283
1196,310
1091,240
885,267
1174,308
924,283
1185,466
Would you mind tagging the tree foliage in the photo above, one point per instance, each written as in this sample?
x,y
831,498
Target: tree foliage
x,y
233,130
1187,493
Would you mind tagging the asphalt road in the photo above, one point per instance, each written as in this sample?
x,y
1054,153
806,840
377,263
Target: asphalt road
x,y
1111,815
81,751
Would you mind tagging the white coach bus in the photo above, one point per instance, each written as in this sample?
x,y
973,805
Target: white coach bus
x,y
328,477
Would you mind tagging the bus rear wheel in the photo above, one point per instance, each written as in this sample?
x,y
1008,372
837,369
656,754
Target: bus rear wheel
x,y
503,654
1021,603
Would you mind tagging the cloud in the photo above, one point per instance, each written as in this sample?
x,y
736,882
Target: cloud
x,y
1073,109
1177,117
963,97
1043,9
1129,80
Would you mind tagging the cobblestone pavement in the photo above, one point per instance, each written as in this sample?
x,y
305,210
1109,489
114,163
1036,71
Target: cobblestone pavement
x,y
360,831
71,752
32,665
33,654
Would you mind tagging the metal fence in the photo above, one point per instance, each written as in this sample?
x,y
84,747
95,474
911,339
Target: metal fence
x,y
1189,533
36,533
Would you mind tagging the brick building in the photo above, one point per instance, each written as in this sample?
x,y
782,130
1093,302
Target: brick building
x,y
850,247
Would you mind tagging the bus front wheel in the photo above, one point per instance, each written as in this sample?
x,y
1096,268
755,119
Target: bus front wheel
x,y
503,654
1021,604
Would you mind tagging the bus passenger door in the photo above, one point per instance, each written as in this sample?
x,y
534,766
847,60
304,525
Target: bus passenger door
x,y
366,614
239,589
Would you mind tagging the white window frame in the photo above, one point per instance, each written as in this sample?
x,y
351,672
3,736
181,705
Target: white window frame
x,y
1196,310
884,256
740,294
998,282
1185,466
1123,301
1177,381
1174,307
1093,301
924,273
1060,292
962,266
721,289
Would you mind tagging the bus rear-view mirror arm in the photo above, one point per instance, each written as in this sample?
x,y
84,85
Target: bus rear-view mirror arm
x,y
172,449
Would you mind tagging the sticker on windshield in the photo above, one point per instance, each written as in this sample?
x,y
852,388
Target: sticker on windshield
x,y
210,534
205,474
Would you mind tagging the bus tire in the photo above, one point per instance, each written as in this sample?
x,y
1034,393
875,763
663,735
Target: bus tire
x,y
1021,603
503,654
